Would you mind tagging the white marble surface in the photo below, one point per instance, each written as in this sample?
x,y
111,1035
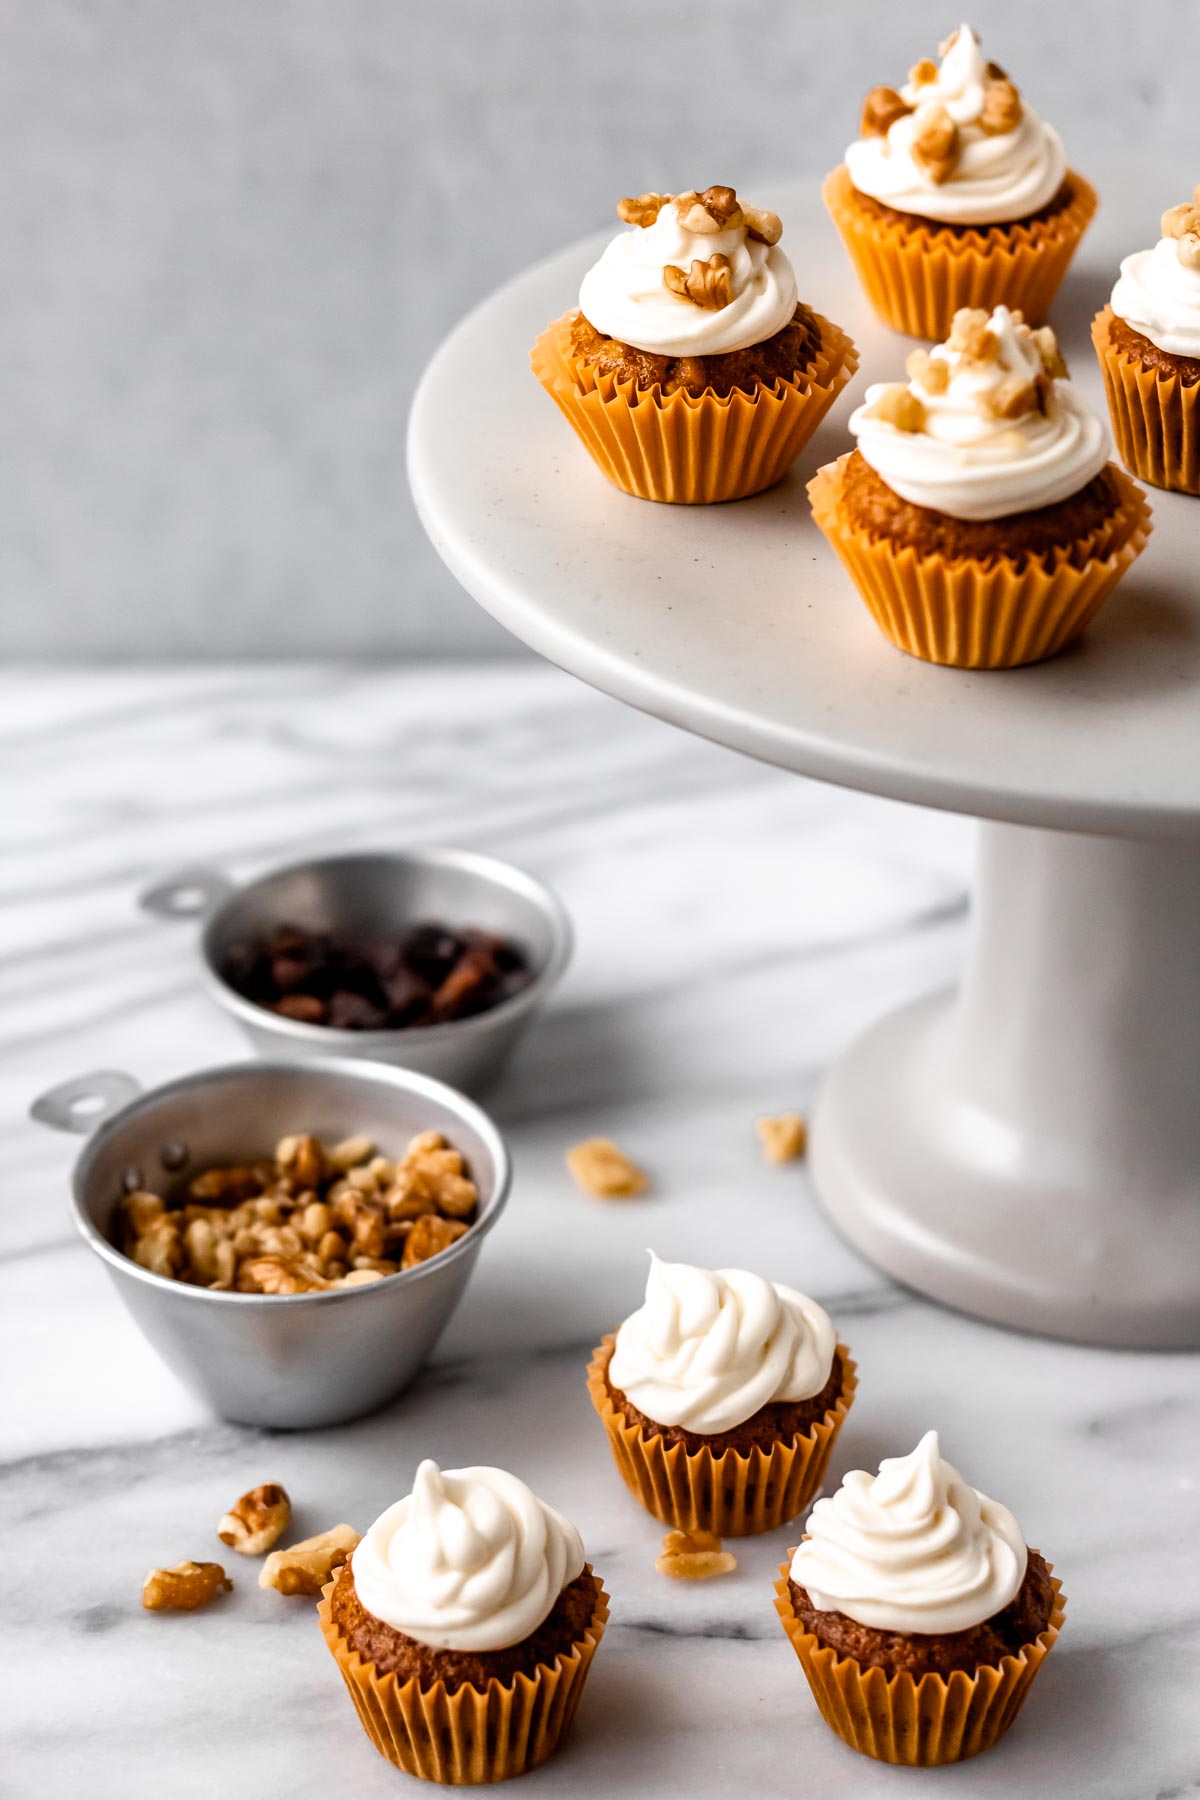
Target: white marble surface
x,y
736,927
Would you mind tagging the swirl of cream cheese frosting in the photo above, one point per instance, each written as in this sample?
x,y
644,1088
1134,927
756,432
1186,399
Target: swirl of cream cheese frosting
x,y
708,1348
1160,298
470,1560
912,1549
625,297
970,463
998,177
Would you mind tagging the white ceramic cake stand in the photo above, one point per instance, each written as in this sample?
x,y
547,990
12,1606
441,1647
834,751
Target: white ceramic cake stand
x,y
1027,1147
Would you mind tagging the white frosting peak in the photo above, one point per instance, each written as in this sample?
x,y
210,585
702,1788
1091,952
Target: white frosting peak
x,y
997,176
709,1348
974,457
912,1549
470,1560
1160,297
625,297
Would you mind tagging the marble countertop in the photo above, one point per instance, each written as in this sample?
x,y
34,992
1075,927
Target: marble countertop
x,y
737,926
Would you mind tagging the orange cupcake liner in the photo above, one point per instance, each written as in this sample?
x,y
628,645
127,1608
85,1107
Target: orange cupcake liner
x,y
917,273
684,448
734,1493
1155,416
997,613
472,1735
924,1723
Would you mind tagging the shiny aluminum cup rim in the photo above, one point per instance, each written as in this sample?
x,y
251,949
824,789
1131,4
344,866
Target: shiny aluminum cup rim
x,y
359,1043
381,1074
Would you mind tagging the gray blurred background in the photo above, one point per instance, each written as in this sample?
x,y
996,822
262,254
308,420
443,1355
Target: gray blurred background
x,y
233,231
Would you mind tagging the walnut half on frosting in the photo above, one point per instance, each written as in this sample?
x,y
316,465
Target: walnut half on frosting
x,y
1183,224
716,209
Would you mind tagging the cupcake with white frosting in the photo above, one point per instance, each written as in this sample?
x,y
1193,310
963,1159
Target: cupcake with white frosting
x,y
722,1396
956,193
918,1612
690,370
1148,342
980,517
464,1625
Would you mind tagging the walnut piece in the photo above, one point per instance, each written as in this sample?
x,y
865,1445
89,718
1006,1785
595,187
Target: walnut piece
x,y
706,284
429,1236
716,209
897,405
923,73
935,143
783,1136
304,1568
1183,224
257,1520
184,1587
880,110
1001,108
694,1556
766,226
1011,398
642,210
602,1169
1046,345
278,1275
930,372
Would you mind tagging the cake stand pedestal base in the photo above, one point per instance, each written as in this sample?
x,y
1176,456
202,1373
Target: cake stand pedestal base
x,y
1028,1147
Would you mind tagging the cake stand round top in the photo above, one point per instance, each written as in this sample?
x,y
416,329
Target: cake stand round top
x,y
737,622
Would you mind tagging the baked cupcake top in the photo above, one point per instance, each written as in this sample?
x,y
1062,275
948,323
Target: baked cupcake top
x,y
470,1560
696,275
987,424
1158,291
709,1348
912,1549
957,143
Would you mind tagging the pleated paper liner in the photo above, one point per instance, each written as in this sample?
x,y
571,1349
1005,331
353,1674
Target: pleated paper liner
x,y
473,1735
734,1493
917,274
1155,415
993,614
691,449
923,1724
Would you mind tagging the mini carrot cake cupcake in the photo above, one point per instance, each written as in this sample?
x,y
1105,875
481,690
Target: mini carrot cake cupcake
x,y
464,1625
956,194
722,1396
690,371
979,517
919,1616
1148,342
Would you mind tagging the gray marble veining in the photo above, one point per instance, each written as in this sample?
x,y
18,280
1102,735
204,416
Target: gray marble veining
x,y
736,928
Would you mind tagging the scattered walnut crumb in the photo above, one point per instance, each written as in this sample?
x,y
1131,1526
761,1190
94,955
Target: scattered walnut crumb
x,y
783,1136
304,1568
602,1169
184,1587
694,1556
257,1520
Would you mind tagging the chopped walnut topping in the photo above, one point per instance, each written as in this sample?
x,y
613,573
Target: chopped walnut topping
x,y
1183,224
935,143
694,1556
603,1170
1046,345
184,1587
304,1568
643,210
1011,398
766,226
1001,108
897,405
923,73
930,372
783,1137
880,110
707,284
716,209
257,1520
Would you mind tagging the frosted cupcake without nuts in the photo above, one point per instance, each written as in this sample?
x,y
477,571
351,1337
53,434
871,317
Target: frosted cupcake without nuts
x,y
722,1396
980,517
464,1626
957,194
919,1615
690,371
1148,341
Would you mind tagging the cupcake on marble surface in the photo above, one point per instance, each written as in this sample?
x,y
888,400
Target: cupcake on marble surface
x,y
464,1625
919,1615
979,517
690,370
722,1396
1148,341
957,194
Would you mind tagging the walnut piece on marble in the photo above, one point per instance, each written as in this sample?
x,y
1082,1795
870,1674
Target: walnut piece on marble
x,y
783,1136
603,1170
304,1568
694,1556
184,1587
256,1521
